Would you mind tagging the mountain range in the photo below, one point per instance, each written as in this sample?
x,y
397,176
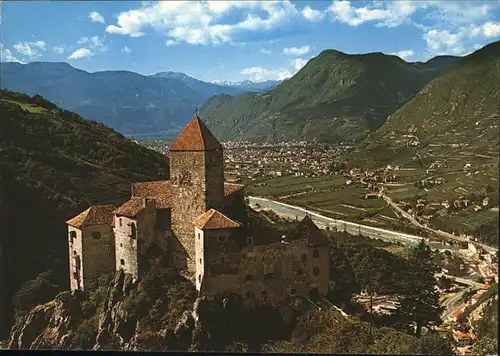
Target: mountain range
x,y
462,104
334,97
250,85
126,101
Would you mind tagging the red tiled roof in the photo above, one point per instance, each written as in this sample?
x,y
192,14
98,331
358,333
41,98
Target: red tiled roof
x,y
160,191
485,286
212,219
230,188
132,207
93,216
196,137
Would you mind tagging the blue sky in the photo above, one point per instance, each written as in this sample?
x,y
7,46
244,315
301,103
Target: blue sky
x,y
237,40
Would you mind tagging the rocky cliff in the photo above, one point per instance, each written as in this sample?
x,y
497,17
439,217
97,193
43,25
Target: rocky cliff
x,y
116,318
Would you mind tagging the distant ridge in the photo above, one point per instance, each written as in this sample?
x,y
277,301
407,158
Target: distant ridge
x,y
129,102
334,97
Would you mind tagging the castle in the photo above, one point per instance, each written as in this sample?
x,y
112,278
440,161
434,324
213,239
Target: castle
x,y
198,221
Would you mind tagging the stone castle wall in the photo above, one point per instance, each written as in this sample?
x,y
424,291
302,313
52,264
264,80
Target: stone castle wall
x,y
214,179
146,223
189,180
75,249
126,247
265,273
98,253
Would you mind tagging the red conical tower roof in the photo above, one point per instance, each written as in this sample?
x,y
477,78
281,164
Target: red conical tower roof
x,y
196,137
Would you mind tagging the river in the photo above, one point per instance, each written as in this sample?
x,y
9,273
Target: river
x,y
291,211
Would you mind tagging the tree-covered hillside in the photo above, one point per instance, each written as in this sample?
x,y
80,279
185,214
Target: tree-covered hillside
x,y
53,164
335,97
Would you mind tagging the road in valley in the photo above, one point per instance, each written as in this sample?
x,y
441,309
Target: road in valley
x,y
291,211
437,232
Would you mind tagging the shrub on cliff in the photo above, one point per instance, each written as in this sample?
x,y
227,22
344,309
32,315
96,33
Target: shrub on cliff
x,y
35,292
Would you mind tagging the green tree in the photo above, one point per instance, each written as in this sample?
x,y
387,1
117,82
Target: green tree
x,y
419,303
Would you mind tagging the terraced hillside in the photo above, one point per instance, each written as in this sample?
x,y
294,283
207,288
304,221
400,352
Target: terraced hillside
x,y
53,164
448,133
335,97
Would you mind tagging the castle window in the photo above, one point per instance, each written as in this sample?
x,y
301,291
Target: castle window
x,y
315,254
72,236
120,222
199,278
249,240
96,235
293,291
122,262
121,245
303,257
133,231
248,278
316,270
200,260
198,236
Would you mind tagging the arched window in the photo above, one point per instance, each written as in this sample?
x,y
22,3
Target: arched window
x,y
122,262
72,236
199,278
120,221
315,254
316,270
133,231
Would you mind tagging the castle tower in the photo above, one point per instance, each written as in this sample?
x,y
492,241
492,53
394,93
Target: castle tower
x,y
91,246
197,177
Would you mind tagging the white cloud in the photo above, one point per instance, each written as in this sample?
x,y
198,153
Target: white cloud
x,y
405,54
126,50
389,14
199,22
81,53
312,15
6,55
294,51
260,74
58,49
95,43
298,63
265,51
30,49
169,43
491,30
460,42
442,41
96,17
